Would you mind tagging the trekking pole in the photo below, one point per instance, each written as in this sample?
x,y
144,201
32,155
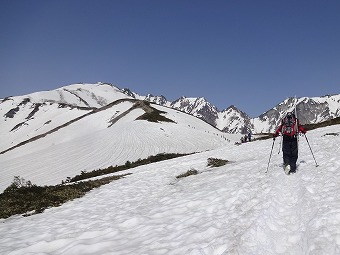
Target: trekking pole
x,y
316,164
271,151
280,145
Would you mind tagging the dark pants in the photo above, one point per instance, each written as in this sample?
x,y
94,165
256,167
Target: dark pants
x,y
290,151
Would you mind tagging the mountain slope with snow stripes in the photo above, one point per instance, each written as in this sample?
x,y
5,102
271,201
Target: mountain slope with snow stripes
x,y
93,142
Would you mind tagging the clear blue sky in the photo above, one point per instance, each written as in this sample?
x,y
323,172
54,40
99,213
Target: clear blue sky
x,y
252,53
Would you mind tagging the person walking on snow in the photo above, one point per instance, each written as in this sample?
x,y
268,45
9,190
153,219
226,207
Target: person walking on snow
x,y
290,128
249,136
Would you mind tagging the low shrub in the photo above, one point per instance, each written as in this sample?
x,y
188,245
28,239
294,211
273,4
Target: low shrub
x,y
113,169
154,116
215,162
188,173
333,134
32,199
17,183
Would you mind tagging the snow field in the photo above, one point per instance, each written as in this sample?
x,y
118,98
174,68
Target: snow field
x,y
233,209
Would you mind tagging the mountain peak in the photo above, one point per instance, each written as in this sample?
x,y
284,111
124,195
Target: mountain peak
x,y
309,110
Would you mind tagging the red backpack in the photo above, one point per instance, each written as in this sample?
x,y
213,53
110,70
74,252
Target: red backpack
x,y
289,125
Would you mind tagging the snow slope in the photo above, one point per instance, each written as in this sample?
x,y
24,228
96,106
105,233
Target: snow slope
x,y
233,209
20,127
94,142
23,117
84,95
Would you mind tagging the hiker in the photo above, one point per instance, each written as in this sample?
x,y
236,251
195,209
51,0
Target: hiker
x,y
289,129
249,136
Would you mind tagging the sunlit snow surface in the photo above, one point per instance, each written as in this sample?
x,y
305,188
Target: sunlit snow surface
x,y
233,209
92,143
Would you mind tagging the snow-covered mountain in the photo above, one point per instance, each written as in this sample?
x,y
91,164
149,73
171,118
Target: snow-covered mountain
x,y
198,107
232,120
309,111
23,117
86,97
73,122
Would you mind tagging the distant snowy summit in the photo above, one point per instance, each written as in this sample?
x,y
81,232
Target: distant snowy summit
x,y
309,110
230,120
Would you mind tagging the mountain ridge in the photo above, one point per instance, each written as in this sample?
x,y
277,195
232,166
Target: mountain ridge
x,y
310,110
